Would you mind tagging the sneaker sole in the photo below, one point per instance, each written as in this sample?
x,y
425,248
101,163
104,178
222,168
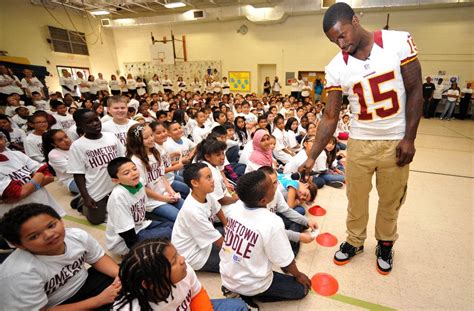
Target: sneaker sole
x,y
381,271
341,263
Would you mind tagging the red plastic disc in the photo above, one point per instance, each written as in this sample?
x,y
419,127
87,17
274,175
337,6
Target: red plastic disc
x,y
324,284
317,211
326,239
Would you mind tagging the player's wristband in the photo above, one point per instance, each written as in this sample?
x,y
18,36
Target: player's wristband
x,y
34,183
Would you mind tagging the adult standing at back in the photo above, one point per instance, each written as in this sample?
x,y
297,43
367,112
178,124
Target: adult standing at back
x,y
382,75
428,90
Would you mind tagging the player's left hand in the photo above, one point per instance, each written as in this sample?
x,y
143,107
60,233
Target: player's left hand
x,y
405,152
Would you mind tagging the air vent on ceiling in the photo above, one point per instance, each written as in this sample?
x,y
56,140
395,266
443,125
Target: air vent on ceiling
x,y
198,14
105,22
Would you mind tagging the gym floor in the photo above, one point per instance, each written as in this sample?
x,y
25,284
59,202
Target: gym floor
x,y
433,262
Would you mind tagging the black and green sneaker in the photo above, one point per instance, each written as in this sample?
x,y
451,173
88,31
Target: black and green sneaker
x,y
346,252
384,253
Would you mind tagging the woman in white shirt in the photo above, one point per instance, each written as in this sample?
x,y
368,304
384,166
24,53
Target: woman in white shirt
x,y
196,85
181,84
141,87
131,85
93,88
453,96
114,85
291,129
123,86
155,84
276,87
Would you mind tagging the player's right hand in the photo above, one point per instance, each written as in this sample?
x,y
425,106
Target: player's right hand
x,y
308,167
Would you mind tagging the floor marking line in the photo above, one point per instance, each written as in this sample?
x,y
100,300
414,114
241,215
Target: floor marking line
x,y
84,222
443,174
355,302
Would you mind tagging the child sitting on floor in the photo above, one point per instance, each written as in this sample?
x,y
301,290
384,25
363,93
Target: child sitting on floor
x,y
126,224
156,277
194,234
255,240
47,268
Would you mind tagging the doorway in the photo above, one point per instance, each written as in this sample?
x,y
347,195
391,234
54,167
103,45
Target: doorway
x,y
265,70
312,76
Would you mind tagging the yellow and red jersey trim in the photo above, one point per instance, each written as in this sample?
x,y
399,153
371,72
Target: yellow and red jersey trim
x,y
408,59
333,88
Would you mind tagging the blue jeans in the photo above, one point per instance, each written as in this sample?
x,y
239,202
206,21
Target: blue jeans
x,y
341,146
332,177
283,287
168,211
228,304
73,187
300,210
155,230
448,110
319,181
181,187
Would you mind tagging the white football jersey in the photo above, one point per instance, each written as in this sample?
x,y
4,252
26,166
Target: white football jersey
x,y
375,86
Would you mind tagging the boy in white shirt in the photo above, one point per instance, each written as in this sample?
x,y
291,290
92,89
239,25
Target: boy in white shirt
x,y
194,235
89,157
200,131
47,269
225,86
120,124
255,240
31,84
126,223
63,119
250,118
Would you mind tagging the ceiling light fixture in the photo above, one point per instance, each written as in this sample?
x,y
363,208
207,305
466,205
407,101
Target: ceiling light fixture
x,y
99,12
174,5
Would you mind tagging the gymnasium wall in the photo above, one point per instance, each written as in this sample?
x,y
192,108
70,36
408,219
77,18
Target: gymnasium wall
x,y
443,37
23,33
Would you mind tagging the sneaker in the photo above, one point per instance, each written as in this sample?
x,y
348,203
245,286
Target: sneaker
x,y
346,252
335,184
229,294
251,305
384,253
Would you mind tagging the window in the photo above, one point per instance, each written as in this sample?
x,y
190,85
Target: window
x,y
67,41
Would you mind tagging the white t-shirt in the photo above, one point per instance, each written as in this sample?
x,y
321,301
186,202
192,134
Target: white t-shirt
x,y
17,136
281,139
91,157
20,167
452,95
181,86
255,239
119,130
33,85
466,91
193,231
42,105
155,86
125,211
183,148
377,95
12,87
102,84
179,299
200,133
63,122
300,158
34,147
249,117
152,179
294,87
131,84
167,85
306,90
32,282
141,88
86,85
220,189
216,87
276,87
291,136
196,87
166,162
69,82
225,88
114,85
438,91
58,159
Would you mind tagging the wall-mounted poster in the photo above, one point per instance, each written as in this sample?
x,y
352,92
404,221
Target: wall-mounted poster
x,y
239,81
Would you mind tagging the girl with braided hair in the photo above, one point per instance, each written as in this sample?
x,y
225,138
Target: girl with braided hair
x,y
155,277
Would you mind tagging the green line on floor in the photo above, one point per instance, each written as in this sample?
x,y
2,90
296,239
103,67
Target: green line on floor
x,y
360,303
83,222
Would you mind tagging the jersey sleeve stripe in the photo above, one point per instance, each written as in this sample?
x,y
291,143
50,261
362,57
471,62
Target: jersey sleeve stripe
x,y
333,88
408,59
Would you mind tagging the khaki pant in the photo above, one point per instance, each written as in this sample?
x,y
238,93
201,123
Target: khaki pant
x,y
364,158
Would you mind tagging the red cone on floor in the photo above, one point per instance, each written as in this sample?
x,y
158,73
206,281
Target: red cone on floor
x,y
326,239
317,211
324,284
